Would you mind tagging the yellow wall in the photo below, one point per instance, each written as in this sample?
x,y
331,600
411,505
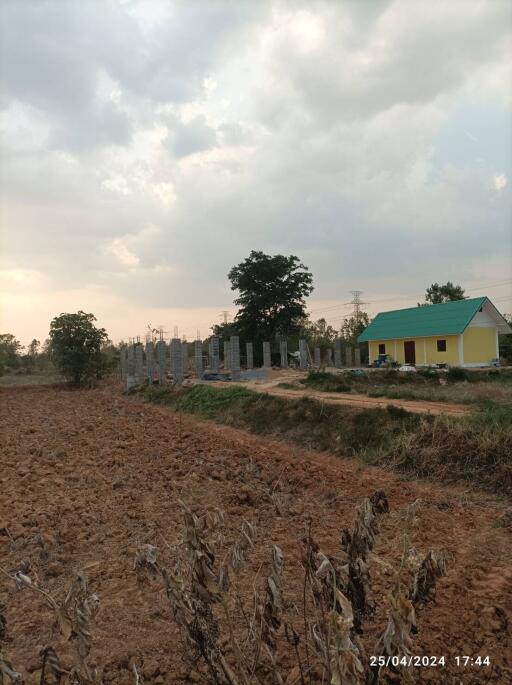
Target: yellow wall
x,y
451,356
395,348
479,345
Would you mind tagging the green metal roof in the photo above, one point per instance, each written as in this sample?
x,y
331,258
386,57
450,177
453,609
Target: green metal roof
x,y
449,318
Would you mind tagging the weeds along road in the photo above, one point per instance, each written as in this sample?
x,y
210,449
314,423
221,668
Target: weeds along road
x,y
358,400
88,476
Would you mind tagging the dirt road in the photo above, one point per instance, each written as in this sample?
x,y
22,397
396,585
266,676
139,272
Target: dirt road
x,y
87,477
356,400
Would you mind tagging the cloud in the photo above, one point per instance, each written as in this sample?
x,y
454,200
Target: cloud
x,y
500,181
149,146
122,253
194,136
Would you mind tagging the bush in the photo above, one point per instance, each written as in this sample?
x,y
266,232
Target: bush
x,y
326,382
457,374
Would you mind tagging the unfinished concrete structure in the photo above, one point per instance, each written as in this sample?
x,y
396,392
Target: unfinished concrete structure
x,y
177,361
227,354
337,354
318,357
139,364
234,355
348,355
184,355
283,349
161,355
303,354
150,361
267,359
357,357
328,357
123,361
198,358
131,359
249,351
213,349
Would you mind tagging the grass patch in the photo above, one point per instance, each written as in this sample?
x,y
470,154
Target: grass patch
x,y
326,382
476,448
457,385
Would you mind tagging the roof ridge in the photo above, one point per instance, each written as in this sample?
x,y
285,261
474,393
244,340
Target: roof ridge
x,y
437,304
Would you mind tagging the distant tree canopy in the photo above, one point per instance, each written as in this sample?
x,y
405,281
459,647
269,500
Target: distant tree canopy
x,y
226,330
10,349
272,292
319,333
505,342
352,328
437,294
76,346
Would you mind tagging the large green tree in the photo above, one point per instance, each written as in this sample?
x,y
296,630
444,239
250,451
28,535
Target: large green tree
x,y
272,292
437,294
76,346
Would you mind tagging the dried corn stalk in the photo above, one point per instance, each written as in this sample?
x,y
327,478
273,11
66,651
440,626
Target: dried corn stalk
x,y
396,640
358,543
433,566
345,665
51,664
7,672
192,597
331,634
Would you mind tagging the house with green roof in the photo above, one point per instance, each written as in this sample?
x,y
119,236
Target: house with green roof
x,y
458,333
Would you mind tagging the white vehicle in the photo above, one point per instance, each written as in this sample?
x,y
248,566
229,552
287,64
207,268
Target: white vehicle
x,y
407,368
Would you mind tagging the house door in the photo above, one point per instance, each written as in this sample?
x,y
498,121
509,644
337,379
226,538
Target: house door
x,y
410,352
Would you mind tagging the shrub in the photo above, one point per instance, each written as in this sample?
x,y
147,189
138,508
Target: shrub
x,y
326,382
457,374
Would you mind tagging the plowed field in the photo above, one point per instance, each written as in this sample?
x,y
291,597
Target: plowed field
x,y
87,476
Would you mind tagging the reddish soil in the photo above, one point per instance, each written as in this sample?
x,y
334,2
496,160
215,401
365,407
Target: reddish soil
x,y
87,477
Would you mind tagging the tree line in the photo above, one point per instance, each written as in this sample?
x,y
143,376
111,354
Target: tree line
x,y
271,301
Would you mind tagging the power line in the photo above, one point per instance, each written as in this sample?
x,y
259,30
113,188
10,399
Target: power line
x,y
488,286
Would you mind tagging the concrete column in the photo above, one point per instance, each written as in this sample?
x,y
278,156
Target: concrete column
x,y
357,357
303,354
234,344
227,355
348,355
267,359
337,354
214,354
318,359
250,355
123,361
177,361
198,358
150,361
131,359
139,364
184,355
283,348
328,355
161,356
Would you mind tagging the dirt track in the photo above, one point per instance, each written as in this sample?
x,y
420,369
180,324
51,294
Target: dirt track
x,y
355,400
86,477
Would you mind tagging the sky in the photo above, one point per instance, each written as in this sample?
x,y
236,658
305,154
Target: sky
x,y
149,146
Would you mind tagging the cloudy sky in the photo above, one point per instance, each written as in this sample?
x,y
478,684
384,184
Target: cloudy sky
x,y
148,146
